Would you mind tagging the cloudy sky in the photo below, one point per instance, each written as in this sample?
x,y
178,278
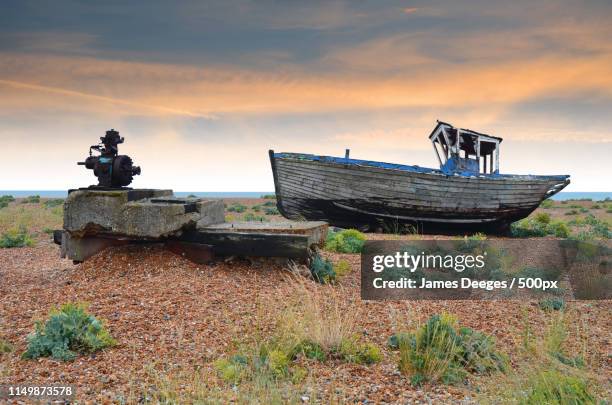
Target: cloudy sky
x,y
201,90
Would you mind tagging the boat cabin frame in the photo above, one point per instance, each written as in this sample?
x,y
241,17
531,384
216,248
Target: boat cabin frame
x,y
465,151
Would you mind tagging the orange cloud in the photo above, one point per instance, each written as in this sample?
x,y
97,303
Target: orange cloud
x,y
410,10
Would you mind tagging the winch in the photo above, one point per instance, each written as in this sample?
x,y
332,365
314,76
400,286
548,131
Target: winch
x,y
111,169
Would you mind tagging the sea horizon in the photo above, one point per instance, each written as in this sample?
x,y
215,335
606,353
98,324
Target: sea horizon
x,y
563,195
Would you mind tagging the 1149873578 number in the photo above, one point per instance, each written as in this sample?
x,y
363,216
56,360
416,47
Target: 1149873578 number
x,y
18,391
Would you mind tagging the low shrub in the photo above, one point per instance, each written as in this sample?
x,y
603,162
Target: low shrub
x,y
583,210
271,211
269,196
345,241
552,304
397,339
309,349
3,204
256,208
263,361
439,352
55,202
5,347
547,204
250,217
33,199
571,212
192,196
70,330
542,217
352,351
269,204
322,270
237,207
342,268
541,225
595,207
16,238
7,198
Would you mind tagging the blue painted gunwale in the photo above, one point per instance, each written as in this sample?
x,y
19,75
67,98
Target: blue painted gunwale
x,y
410,168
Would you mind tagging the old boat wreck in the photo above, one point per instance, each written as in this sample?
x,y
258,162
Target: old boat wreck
x,y
467,193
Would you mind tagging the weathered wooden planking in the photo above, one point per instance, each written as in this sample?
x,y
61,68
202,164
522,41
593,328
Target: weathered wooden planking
x,y
408,180
230,243
346,194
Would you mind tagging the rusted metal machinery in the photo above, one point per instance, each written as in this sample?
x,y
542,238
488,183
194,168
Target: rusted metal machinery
x,y
111,169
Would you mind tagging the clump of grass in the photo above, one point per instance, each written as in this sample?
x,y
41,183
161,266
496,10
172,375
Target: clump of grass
x,y
542,217
539,226
439,351
345,241
256,208
595,207
352,351
554,387
33,199
552,304
271,211
55,202
571,212
16,237
546,204
318,314
5,347
269,204
342,268
5,200
237,207
70,330
250,217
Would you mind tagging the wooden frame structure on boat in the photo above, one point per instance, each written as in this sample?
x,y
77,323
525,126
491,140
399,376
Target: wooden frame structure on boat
x,y
480,151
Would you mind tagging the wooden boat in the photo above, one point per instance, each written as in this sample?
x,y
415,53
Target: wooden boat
x,y
466,193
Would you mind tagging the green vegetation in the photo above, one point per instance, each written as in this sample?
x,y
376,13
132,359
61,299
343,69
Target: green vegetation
x,y
595,207
237,207
438,351
547,204
70,330
552,304
250,217
322,270
5,347
269,204
342,268
361,353
33,199
555,387
55,202
346,241
16,237
269,196
5,200
540,225
271,211
256,208
571,212
192,196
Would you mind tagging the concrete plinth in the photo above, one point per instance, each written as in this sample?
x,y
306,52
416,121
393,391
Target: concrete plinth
x,y
140,214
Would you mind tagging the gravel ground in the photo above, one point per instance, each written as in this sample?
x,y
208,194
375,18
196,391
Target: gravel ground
x,y
166,311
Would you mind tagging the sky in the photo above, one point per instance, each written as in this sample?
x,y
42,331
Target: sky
x,y
201,90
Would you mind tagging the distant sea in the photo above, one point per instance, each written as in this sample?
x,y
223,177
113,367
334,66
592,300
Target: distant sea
x,y
564,195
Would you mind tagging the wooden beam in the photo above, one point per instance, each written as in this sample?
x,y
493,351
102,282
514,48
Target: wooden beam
x,y
496,157
252,243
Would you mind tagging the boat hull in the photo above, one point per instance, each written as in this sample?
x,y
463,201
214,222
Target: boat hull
x,y
374,196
